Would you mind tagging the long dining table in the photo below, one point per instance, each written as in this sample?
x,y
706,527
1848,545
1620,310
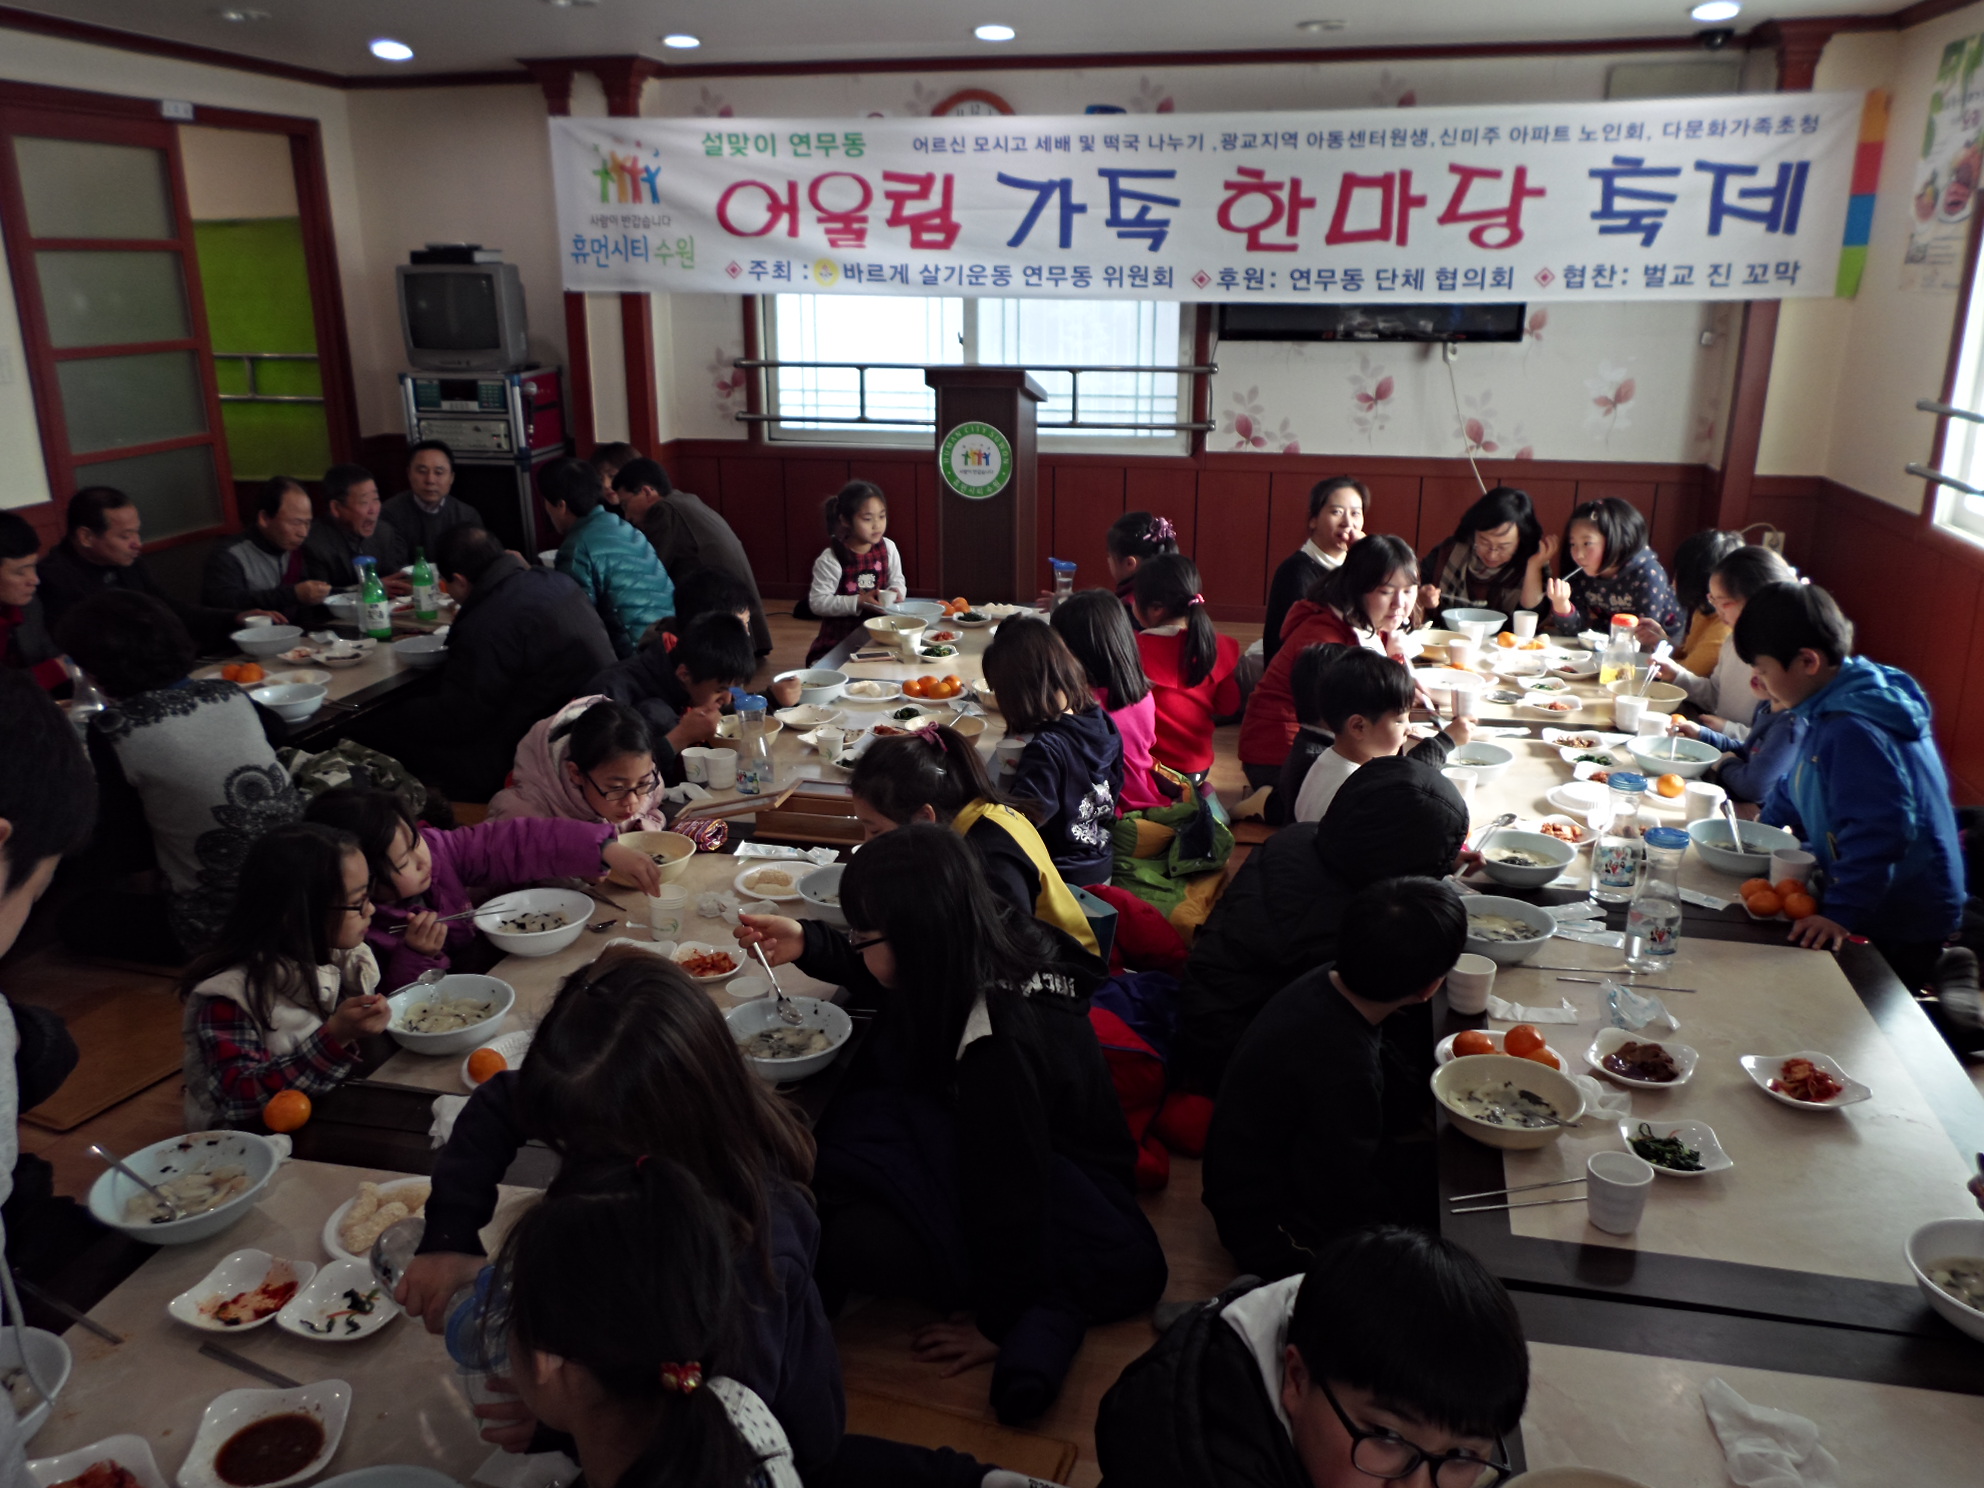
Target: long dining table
x,y
1785,1273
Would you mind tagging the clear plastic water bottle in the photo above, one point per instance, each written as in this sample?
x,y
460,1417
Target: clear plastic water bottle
x,y
470,1343
1653,924
1622,649
754,767
1615,858
1064,579
85,702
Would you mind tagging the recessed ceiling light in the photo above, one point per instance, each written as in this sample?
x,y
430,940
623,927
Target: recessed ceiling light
x,y
681,40
1709,12
994,33
388,50
570,4
1331,25
241,13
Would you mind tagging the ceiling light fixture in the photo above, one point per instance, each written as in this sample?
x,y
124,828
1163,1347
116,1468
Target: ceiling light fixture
x,y
570,4
1329,25
388,50
241,13
681,41
1714,12
994,33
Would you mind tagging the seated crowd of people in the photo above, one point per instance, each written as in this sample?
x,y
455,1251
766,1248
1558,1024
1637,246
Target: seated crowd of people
x,y
1065,981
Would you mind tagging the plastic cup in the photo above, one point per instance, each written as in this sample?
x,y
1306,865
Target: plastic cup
x,y
1462,779
696,764
1627,710
1460,651
1615,1191
722,765
1653,725
1469,984
1702,799
666,910
828,740
1008,754
256,622
1522,624
1793,862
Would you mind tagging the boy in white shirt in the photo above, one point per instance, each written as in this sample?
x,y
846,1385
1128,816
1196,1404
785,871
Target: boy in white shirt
x,y
1366,698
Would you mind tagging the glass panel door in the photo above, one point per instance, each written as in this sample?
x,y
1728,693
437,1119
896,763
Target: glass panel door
x,y
100,249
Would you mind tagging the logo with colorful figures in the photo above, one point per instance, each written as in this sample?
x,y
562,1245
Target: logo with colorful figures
x,y
976,460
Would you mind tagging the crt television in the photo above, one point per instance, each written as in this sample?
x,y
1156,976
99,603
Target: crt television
x,y
463,317
1248,321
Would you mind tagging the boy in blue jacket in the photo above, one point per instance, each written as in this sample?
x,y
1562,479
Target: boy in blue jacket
x,y
1866,791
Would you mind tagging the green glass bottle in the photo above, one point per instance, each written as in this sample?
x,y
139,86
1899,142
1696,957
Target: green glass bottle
x,y
426,594
378,622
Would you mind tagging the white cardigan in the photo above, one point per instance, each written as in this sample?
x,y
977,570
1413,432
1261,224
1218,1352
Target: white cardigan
x,y
1725,691
825,598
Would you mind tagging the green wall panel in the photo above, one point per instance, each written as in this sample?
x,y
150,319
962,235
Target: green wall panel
x,y
257,287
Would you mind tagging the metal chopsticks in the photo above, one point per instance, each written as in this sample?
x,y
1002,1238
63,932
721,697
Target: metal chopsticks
x,y
1531,1204
233,1360
79,1318
1489,1193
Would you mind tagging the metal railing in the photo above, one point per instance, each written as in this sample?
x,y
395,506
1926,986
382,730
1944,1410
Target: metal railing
x,y
249,359
862,417
1917,468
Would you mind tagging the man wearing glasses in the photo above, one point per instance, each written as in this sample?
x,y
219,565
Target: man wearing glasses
x,y
1397,1358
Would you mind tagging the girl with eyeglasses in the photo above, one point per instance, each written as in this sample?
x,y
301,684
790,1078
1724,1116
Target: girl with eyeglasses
x,y
976,1157
420,875
281,1000
591,761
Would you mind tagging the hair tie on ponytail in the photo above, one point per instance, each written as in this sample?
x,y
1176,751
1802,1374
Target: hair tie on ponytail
x,y
929,735
1162,530
640,1162
1196,599
682,1379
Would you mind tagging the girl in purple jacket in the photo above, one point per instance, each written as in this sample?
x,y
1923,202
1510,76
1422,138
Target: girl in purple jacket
x,y
421,874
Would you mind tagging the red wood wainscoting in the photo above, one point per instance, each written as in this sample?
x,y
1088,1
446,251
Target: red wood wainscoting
x,y
1238,515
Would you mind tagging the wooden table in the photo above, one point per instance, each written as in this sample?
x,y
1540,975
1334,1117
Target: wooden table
x,y
406,1405
351,693
1806,1232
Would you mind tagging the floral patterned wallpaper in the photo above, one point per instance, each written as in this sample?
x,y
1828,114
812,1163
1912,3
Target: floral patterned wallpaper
x,y
1598,381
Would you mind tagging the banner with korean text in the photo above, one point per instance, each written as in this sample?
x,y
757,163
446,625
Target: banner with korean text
x,y
1733,197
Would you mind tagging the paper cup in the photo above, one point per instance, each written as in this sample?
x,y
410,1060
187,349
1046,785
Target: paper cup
x,y
1008,754
1653,725
1702,799
256,622
696,764
1522,624
828,740
1616,1185
666,910
1463,780
1793,862
1627,710
1469,984
723,769
1460,651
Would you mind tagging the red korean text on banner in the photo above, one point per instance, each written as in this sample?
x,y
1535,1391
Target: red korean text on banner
x,y
1507,218
1284,201
1395,206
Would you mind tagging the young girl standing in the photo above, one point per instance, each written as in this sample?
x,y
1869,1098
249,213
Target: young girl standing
x,y
936,776
1190,665
1095,627
289,987
1073,761
860,572
1134,539
418,873
1616,573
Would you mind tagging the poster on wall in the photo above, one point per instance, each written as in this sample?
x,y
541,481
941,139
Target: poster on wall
x,y
1736,197
1946,175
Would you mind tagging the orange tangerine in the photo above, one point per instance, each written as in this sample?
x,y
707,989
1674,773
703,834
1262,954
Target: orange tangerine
x,y
1800,906
1522,1040
485,1064
1754,886
286,1111
1764,903
1474,1041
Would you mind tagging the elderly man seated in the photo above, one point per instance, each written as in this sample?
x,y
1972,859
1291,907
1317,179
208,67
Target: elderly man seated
x,y
263,569
350,529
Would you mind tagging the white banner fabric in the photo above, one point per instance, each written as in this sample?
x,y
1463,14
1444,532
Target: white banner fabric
x,y
1733,197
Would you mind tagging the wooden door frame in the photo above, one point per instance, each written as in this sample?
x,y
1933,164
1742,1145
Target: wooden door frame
x,y
71,108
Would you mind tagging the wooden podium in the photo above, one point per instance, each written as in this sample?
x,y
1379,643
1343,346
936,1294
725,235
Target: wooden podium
x,y
987,496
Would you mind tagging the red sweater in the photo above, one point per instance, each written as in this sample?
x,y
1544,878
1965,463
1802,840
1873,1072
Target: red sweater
x,y
1269,728
1185,714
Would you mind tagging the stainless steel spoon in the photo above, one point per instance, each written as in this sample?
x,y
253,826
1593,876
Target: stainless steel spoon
x,y
788,1014
172,1205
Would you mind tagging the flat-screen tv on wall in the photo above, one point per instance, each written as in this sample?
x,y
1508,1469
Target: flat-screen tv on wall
x,y
463,317
1330,322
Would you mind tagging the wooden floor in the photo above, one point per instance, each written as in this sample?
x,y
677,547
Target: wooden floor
x,y
874,1336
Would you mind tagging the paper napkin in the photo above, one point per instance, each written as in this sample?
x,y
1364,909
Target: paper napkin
x,y
1767,1448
